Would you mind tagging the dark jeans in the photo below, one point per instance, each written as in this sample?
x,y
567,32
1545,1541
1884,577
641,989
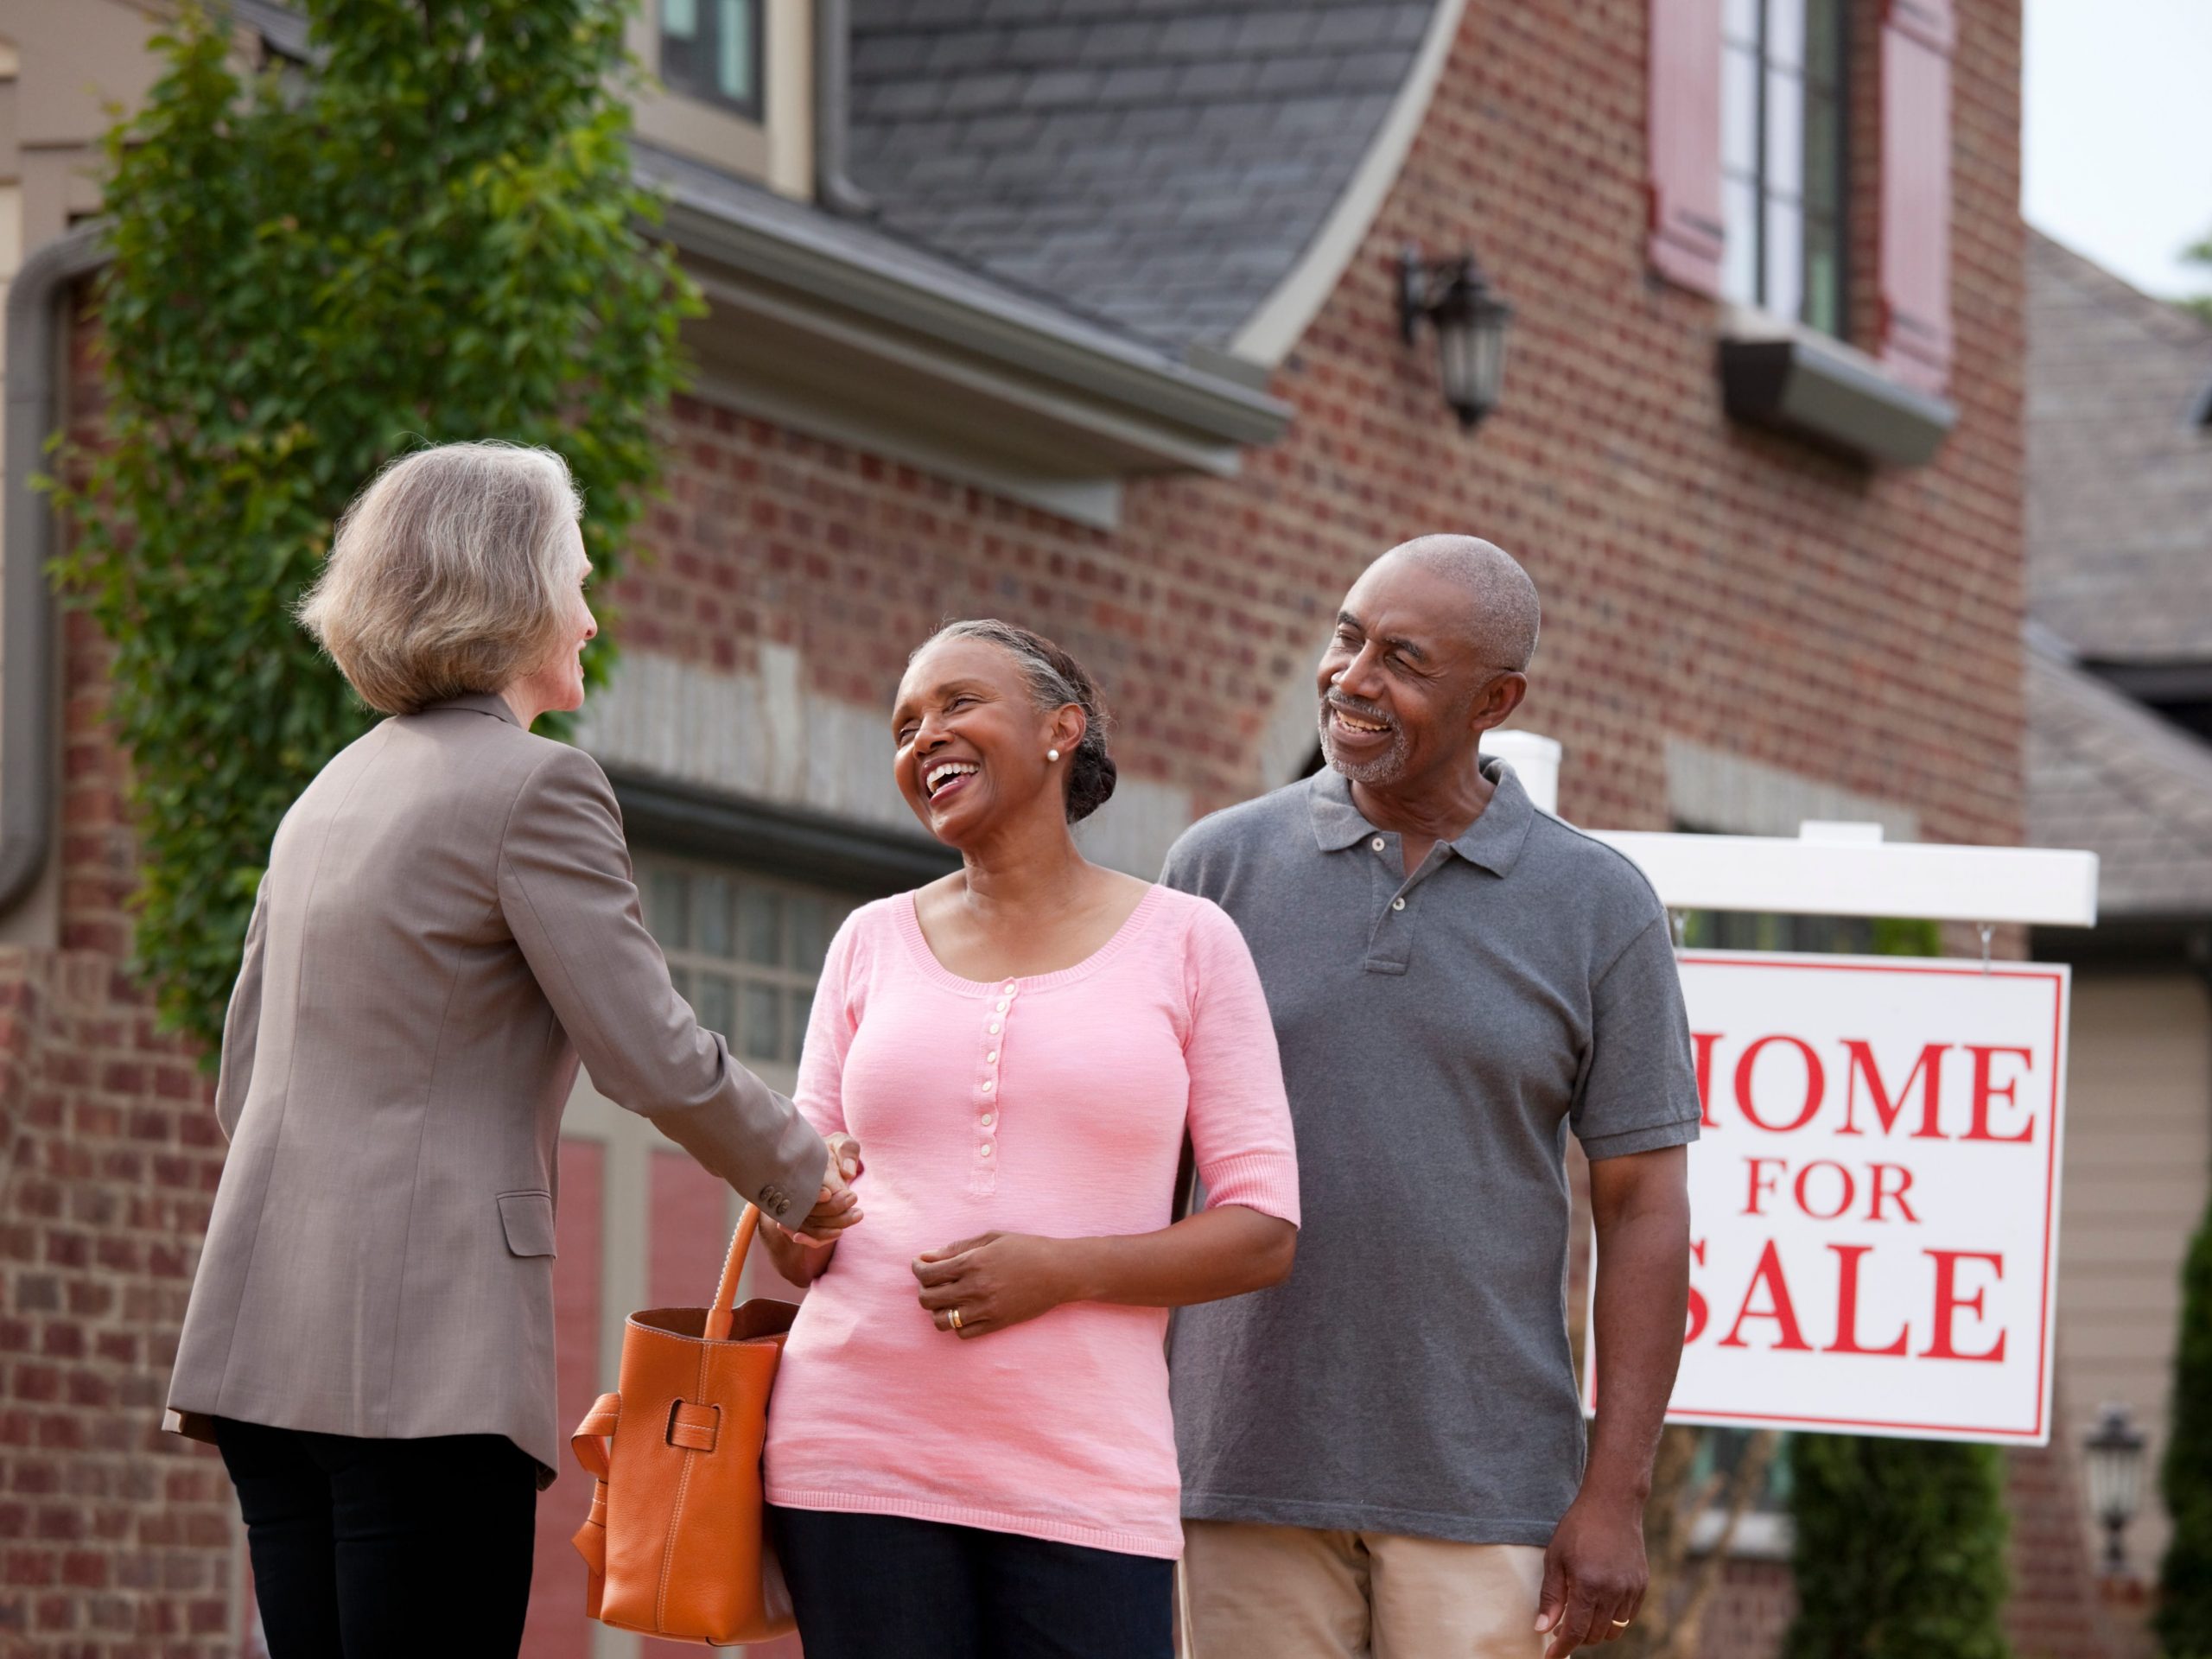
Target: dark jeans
x,y
882,1586
376,1549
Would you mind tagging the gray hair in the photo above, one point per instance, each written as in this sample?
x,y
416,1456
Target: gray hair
x,y
449,575
1506,616
1056,679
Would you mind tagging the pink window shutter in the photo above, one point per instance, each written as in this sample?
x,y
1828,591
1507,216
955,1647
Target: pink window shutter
x,y
1916,198
1688,228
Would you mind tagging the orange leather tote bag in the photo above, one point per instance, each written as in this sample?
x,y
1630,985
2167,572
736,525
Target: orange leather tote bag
x,y
674,1546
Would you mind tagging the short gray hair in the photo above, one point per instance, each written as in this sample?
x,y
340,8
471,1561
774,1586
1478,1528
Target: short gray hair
x,y
1506,615
448,574
1056,679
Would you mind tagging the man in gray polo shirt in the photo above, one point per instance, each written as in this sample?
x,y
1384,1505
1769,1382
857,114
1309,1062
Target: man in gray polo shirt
x,y
1385,1453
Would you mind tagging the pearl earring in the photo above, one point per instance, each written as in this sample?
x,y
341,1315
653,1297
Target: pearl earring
x,y
1052,754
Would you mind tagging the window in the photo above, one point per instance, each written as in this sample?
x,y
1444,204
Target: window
x,y
711,49
745,949
1782,158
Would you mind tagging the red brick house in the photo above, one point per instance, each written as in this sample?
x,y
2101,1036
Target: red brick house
x,y
1087,312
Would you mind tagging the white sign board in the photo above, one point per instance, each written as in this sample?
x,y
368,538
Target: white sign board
x,y
1874,1199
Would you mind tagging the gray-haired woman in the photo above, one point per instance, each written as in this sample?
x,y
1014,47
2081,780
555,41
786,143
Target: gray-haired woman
x,y
448,922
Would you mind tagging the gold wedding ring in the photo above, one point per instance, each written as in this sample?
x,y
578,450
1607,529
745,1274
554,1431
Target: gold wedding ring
x,y
1621,1624
954,1317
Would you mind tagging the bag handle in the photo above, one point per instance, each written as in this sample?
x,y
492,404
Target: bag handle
x,y
721,1313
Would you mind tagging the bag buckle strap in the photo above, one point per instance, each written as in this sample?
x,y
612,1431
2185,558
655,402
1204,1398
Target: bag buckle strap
x,y
589,1444
694,1428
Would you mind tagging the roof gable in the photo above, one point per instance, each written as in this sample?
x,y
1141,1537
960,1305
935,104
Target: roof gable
x,y
1158,164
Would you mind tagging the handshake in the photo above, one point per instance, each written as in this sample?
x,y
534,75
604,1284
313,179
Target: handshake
x,y
802,1252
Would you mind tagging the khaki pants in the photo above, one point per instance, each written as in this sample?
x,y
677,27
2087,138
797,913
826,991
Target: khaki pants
x,y
1288,1593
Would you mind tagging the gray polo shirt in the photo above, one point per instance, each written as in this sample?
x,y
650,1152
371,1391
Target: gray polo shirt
x,y
1440,1034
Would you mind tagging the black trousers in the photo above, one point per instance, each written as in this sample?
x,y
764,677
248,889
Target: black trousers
x,y
380,1549
882,1586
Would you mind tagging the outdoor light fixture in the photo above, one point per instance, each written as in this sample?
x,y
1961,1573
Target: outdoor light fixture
x,y
1470,322
2115,1469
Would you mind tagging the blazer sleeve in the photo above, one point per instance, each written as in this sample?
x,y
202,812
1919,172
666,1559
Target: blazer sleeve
x,y
242,1022
566,889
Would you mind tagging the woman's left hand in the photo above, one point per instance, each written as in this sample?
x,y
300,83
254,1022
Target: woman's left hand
x,y
993,1281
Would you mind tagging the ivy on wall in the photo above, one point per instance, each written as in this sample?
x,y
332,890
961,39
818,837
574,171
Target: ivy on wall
x,y
432,233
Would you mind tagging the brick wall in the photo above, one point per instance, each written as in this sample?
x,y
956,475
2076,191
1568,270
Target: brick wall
x,y
115,1539
1731,587
1702,581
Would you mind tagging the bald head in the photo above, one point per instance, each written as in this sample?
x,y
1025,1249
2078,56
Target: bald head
x,y
1503,614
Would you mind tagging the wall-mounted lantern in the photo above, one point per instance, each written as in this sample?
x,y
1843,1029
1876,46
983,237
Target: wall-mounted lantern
x,y
2115,1473
1470,322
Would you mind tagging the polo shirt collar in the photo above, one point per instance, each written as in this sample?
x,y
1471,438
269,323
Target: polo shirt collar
x,y
1493,840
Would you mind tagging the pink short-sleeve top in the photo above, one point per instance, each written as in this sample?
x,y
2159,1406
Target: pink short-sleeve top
x,y
1054,1105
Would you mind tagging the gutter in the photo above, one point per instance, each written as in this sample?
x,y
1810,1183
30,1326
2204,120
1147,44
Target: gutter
x,y
833,262
35,299
833,40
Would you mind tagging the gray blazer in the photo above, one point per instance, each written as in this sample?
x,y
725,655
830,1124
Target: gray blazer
x,y
448,921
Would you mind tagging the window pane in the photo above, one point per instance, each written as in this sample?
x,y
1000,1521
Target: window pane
x,y
761,925
764,1033
710,900
802,1003
669,911
1739,111
734,63
1785,258
1739,275
1785,134
1823,152
683,978
1785,33
1823,41
1824,277
679,18
717,1003
809,915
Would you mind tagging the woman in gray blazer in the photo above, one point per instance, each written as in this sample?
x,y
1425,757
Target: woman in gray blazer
x,y
448,922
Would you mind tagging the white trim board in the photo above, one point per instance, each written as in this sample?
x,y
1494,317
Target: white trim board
x,y
1821,876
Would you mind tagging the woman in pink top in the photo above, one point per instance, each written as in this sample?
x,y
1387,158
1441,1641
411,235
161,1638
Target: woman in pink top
x,y
970,1452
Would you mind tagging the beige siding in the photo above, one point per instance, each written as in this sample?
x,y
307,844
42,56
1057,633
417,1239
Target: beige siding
x,y
2138,1162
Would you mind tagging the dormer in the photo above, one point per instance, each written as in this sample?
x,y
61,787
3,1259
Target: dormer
x,y
735,89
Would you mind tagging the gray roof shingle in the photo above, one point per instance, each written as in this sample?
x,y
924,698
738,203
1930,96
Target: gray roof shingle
x,y
1157,164
2107,774
2120,480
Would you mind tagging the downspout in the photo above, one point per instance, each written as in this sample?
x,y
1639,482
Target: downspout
x,y
35,299
834,189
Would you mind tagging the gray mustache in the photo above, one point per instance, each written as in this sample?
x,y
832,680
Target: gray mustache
x,y
1362,711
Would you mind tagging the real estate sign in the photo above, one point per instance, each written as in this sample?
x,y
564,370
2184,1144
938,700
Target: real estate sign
x,y
1874,1202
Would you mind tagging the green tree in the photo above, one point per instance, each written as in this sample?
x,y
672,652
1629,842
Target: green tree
x,y
2185,1618
432,234
1900,1544
1900,1550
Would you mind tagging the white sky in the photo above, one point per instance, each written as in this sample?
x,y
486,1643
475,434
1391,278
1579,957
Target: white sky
x,y
2117,141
